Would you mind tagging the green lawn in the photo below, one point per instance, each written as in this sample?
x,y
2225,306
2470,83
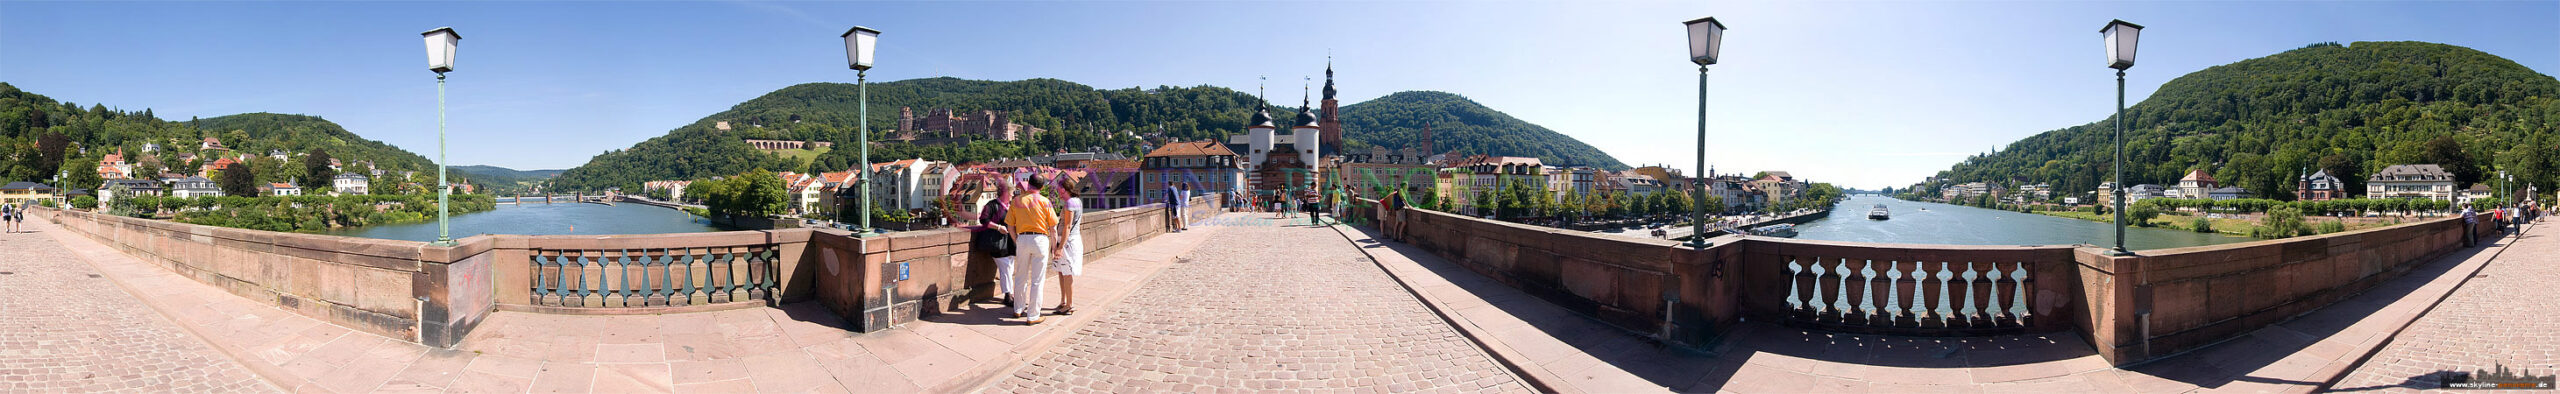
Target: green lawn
x,y
802,156
2180,222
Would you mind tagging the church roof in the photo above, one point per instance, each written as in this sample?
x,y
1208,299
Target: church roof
x,y
2197,175
1261,118
1192,148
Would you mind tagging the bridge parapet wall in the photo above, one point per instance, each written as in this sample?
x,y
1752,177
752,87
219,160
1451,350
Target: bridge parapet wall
x,y
2131,309
376,286
2193,297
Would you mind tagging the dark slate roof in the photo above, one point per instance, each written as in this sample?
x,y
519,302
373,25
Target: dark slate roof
x,y
2412,172
27,186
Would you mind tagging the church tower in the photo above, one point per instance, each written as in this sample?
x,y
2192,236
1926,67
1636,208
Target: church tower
x,y
1330,120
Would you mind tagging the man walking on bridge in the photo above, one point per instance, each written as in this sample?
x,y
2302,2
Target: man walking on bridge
x,y
1032,221
2469,234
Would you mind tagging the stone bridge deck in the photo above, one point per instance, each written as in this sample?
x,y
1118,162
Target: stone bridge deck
x,y
1240,302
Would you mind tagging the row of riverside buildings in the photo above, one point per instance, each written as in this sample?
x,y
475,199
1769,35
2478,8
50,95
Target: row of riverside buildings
x,y
1274,157
122,180
2415,181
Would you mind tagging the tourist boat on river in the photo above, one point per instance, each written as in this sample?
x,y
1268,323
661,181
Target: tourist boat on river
x,y
1880,213
1781,230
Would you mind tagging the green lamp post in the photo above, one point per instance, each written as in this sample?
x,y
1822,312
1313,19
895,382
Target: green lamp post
x,y
1706,39
859,43
440,43
2121,37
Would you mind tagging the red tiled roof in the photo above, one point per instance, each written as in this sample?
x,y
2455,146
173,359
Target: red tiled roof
x,y
1192,148
1112,164
2197,175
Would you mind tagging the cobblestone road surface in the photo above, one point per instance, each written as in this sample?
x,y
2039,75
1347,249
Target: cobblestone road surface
x,y
2503,316
1267,306
65,328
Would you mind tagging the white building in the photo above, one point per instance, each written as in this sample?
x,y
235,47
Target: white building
x,y
350,184
280,189
2426,181
194,186
908,184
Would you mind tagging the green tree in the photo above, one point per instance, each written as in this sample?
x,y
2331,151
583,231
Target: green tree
x,y
2281,222
237,180
316,174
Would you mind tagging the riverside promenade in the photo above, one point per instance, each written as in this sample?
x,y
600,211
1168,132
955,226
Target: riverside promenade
x,y
1238,303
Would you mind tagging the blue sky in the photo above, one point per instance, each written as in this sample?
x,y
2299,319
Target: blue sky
x,y
1866,94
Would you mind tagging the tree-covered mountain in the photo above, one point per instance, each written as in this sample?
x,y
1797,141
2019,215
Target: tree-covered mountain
x,y
43,140
2349,109
496,172
1462,125
1079,118
260,132
504,181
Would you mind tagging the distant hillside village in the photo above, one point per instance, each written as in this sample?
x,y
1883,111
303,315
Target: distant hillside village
x,y
1274,159
192,169
2407,181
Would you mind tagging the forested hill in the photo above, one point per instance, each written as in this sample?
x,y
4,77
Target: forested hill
x,y
41,138
1081,118
1459,124
257,133
2349,109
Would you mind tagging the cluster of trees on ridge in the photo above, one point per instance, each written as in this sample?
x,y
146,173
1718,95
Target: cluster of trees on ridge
x,y
61,143
2348,109
1079,118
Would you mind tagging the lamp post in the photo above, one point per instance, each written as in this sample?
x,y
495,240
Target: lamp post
x,y
440,43
2121,37
859,43
1706,39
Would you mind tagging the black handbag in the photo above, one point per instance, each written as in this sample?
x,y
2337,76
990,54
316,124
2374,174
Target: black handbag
x,y
993,242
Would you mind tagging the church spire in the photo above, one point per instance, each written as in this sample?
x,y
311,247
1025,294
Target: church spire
x,y
1328,77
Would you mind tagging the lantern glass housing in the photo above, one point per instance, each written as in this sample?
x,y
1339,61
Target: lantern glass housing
x,y
1706,39
440,43
2121,37
858,45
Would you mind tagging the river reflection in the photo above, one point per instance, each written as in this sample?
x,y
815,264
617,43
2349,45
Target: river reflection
x,y
548,219
1933,223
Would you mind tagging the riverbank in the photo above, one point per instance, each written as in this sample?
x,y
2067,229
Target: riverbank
x,y
298,214
1917,222
2233,224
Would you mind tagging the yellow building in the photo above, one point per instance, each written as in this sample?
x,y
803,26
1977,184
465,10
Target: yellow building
x,y
21,193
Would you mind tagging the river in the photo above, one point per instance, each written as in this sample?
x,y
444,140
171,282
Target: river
x,y
547,219
1962,225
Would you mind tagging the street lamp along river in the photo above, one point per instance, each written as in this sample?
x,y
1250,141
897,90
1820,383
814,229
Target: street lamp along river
x,y
2121,37
440,43
1706,39
859,43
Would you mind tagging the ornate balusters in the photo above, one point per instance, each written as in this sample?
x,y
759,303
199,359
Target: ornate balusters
x,y
1814,302
1867,292
1994,312
1795,280
1894,314
1945,313
2019,305
682,292
588,289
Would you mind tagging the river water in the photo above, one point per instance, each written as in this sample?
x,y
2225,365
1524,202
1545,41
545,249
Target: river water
x,y
548,219
1962,225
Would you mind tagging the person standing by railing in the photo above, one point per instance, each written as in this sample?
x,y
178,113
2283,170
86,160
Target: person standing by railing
x,y
1393,218
995,238
1069,260
1033,221
2469,219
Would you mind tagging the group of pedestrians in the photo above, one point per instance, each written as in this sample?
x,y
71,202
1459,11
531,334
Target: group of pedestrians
x,y
13,216
1029,237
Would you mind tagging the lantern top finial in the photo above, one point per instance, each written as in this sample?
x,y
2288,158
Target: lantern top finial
x,y
858,29
445,30
2112,25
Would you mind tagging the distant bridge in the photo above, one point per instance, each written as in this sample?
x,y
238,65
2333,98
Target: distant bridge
x,y
606,199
